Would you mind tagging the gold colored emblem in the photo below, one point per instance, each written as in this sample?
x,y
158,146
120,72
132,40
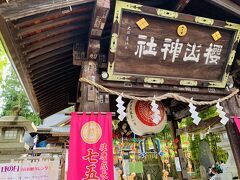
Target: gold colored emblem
x,y
91,132
182,30
142,23
216,36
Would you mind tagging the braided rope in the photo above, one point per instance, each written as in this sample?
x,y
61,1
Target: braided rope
x,y
159,98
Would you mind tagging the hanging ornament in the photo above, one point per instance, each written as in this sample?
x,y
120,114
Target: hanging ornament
x,y
156,113
159,151
121,108
194,113
150,144
222,114
142,148
176,140
134,149
193,137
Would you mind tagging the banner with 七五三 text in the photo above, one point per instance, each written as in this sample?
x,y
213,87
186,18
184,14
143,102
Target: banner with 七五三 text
x,y
90,147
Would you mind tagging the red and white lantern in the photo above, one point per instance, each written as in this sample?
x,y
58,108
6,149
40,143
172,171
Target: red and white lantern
x,y
140,117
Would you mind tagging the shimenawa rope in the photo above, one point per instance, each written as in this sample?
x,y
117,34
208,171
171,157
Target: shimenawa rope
x,y
158,98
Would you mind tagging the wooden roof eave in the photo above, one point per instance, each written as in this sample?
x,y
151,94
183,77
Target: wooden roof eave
x,y
20,68
227,5
22,8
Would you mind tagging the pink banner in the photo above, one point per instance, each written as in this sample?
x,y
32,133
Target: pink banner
x,y
90,148
237,121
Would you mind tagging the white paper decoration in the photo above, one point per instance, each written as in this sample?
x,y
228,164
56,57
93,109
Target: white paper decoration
x,y
156,113
194,113
121,108
222,114
193,137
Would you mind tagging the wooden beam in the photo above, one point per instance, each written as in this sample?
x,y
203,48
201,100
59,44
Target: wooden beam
x,y
227,5
46,111
172,127
203,124
17,60
23,8
181,5
139,89
50,54
57,82
53,40
52,24
58,64
48,92
68,67
52,47
236,1
50,62
54,32
55,78
52,15
89,95
231,107
185,112
54,101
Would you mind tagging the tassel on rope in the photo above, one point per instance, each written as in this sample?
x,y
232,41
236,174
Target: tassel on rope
x,y
142,148
160,153
159,98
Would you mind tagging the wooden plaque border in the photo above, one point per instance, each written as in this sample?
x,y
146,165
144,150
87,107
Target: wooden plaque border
x,y
140,9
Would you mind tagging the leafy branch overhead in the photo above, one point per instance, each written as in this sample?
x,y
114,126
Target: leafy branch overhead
x,y
11,92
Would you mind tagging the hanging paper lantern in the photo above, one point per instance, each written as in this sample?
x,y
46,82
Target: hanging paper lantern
x,y
140,117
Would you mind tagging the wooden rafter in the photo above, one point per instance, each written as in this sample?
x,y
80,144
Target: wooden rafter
x,y
23,8
181,5
203,125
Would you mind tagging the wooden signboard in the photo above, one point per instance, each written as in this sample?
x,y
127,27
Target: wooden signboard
x,y
170,48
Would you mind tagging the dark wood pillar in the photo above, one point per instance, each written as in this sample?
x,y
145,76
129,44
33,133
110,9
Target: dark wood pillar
x,y
174,127
232,107
91,99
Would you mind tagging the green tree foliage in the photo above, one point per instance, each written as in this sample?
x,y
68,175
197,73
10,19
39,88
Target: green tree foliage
x,y
213,138
12,93
3,61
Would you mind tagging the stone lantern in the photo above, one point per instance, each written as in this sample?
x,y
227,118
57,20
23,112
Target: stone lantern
x,y
12,129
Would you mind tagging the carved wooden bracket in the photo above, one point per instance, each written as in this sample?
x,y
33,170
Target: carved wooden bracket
x,y
99,19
